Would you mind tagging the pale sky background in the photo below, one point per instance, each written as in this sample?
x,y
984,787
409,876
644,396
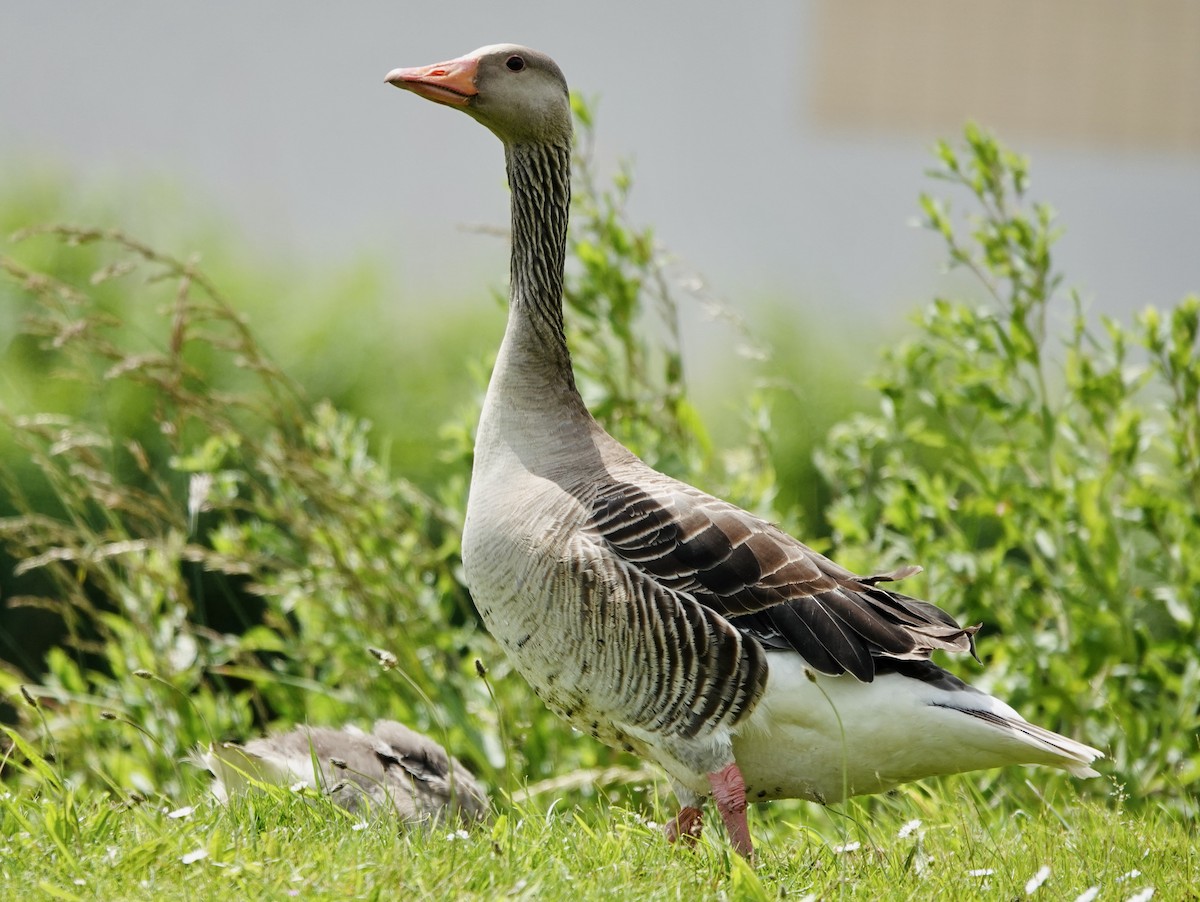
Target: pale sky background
x,y
278,114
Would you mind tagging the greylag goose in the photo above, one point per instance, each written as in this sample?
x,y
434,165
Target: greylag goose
x,y
655,617
391,766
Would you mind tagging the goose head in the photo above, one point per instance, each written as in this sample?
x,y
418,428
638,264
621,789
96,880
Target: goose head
x,y
518,93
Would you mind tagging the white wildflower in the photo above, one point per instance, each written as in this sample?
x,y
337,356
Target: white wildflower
x,y
193,857
1032,884
908,828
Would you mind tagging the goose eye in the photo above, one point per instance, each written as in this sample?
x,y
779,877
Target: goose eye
x,y
515,63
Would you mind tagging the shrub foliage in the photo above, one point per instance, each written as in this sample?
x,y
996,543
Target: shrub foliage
x,y
1048,482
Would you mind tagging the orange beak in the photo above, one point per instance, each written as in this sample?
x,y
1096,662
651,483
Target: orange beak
x,y
451,83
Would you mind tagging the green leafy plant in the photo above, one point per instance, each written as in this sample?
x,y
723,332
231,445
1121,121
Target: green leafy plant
x,y
1048,483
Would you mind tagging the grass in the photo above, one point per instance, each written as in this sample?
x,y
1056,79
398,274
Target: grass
x,y
279,845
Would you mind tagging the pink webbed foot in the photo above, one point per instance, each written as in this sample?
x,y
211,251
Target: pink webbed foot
x,y
686,825
729,793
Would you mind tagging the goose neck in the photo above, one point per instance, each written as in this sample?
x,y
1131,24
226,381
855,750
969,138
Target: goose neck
x,y
539,177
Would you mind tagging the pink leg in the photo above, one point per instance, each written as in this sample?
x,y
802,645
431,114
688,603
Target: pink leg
x,y
686,825
729,792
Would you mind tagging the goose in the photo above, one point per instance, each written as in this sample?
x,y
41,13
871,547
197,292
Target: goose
x,y
392,765
653,616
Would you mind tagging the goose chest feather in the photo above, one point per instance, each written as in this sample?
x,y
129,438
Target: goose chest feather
x,y
654,616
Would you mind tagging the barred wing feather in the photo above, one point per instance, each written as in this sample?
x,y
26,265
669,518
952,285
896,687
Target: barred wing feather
x,y
766,583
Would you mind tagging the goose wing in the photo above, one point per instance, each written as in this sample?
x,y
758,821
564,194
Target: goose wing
x,y
766,583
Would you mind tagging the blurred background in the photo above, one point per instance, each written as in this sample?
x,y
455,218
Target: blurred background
x,y
778,151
